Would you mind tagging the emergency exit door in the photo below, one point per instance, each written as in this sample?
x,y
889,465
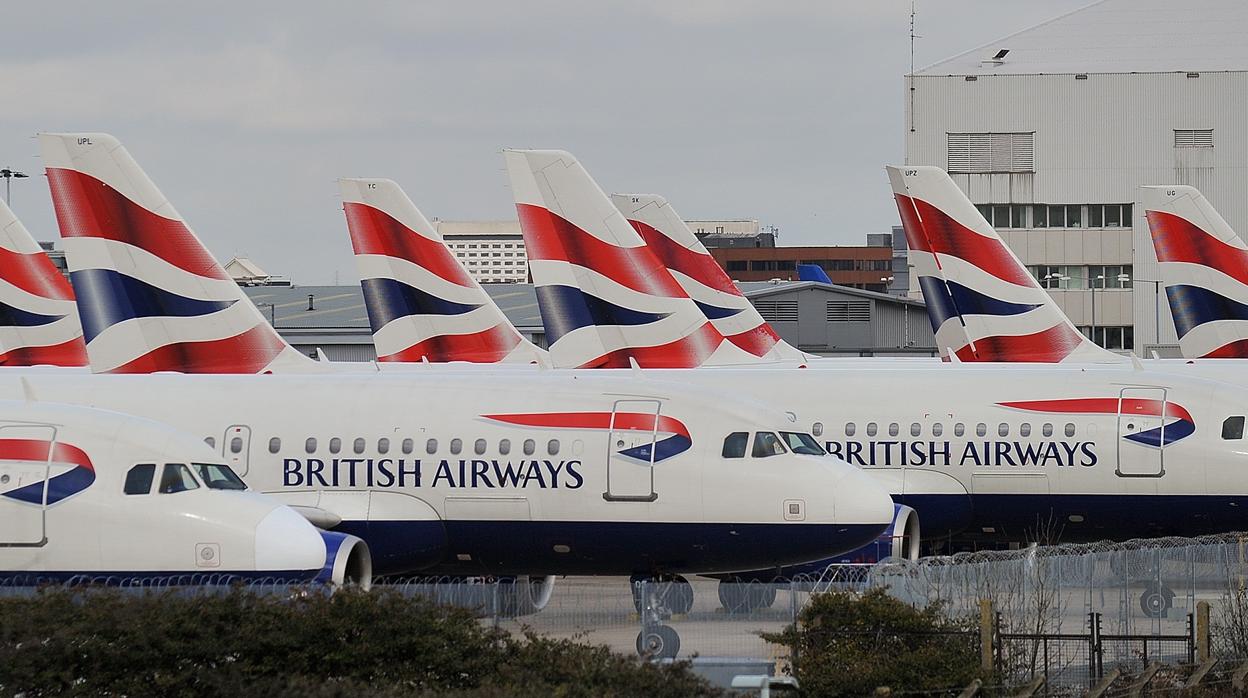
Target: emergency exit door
x,y
25,470
1141,432
634,429
236,447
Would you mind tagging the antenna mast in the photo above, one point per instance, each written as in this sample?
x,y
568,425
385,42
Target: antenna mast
x,y
911,75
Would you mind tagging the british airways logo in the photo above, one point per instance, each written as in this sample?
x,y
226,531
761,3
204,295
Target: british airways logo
x,y
413,473
31,486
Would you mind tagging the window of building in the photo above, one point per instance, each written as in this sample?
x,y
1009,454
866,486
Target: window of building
x,y
980,153
275,445
736,265
1233,428
1193,138
1111,337
1039,216
1102,276
734,444
1057,216
139,479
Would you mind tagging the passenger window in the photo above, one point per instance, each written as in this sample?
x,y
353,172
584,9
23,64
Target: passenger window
x,y
408,446
1233,428
504,446
850,429
734,444
916,429
139,479
937,429
1003,429
275,445
959,429
175,478
236,444
871,429
212,443
335,445
478,446
457,445
1024,429
1046,430
310,444
431,446
766,444
893,429
358,445
1070,429
981,429
530,447
552,447
817,428
383,445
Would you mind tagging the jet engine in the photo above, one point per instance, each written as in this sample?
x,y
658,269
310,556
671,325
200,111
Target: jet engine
x,y
347,561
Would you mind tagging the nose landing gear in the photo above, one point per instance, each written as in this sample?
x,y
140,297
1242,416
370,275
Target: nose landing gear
x,y
656,601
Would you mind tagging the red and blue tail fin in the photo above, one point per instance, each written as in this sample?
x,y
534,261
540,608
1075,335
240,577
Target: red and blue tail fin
x,y
1204,266
38,321
983,303
605,298
150,295
421,302
701,277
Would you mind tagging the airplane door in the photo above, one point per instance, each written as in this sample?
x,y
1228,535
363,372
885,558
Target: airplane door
x,y
235,446
1139,429
24,477
630,451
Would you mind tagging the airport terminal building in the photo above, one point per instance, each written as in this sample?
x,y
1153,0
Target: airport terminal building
x,y
1050,132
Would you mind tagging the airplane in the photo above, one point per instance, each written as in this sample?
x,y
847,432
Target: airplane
x,y
701,277
422,304
601,305
95,496
1204,266
38,321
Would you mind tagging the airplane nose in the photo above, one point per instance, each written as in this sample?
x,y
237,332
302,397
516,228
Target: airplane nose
x,y
285,541
861,500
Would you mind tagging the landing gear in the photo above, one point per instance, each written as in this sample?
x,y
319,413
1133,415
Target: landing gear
x,y
737,596
1156,600
674,595
658,642
655,602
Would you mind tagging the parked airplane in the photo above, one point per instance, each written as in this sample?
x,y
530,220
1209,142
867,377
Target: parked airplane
x,y
422,304
1204,266
96,495
38,320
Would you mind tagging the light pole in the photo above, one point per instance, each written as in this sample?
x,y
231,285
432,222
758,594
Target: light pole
x,y
1156,306
1122,279
9,174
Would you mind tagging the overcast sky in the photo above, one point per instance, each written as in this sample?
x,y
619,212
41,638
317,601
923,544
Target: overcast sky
x,y
246,113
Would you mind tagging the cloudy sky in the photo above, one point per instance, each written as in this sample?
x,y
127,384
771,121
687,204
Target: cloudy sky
x,y
246,113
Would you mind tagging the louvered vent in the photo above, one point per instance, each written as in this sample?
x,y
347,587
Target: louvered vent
x,y
777,311
982,153
1193,138
849,311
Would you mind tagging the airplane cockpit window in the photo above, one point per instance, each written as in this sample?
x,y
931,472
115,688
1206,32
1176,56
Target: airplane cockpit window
x,y
767,444
734,444
802,443
139,478
176,477
1233,428
218,476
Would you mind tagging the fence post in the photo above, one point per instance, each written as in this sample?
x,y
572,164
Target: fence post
x,y
1202,631
985,635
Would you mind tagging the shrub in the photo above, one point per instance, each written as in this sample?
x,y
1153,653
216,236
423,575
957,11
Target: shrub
x,y
850,644
97,642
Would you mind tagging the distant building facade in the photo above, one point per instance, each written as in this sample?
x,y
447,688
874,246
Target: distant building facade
x,y
867,267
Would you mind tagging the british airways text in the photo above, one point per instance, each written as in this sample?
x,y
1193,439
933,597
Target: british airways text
x,y
973,453
410,472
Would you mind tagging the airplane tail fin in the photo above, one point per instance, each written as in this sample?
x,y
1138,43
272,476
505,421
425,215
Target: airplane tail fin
x,y
38,321
701,277
1204,266
982,302
603,295
812,272
421,302
150,295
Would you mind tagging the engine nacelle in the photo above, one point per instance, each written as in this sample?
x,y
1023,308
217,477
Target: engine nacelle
x,y
901,540
347,561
